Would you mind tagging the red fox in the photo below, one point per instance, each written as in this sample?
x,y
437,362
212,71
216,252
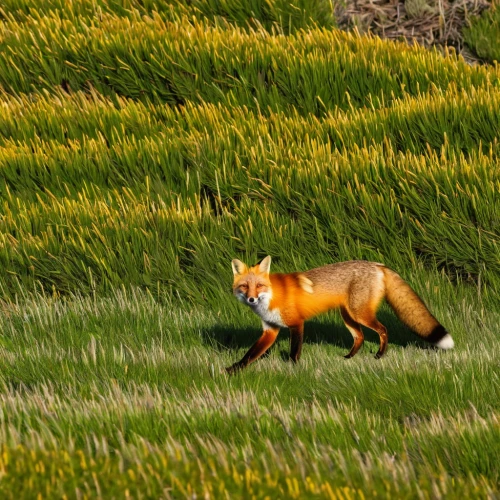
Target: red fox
x,y
356,287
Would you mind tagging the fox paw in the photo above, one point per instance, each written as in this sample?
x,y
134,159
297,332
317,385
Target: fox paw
x,y
231,370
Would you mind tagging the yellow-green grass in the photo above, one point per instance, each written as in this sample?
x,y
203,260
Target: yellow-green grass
x,y
483,34
280,15
105,396
96,195
155,59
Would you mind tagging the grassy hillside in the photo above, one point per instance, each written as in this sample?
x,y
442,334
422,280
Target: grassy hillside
x,y
143,145
327,134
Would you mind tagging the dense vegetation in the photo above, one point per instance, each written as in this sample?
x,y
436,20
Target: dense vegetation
x,y
143,145
483,34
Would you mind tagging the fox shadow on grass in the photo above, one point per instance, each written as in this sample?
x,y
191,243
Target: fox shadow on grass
x,y
315,332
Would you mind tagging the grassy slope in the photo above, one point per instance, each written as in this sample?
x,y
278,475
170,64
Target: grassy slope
x,y
122,389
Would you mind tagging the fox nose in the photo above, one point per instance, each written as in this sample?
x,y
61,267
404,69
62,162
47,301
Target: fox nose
x,y
252,300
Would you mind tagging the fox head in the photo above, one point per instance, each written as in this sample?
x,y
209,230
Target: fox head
x,y
252,284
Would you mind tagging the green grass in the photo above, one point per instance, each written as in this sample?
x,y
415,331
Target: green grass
x,y
179,61
148,195
128,393
279,15
483,34
143,145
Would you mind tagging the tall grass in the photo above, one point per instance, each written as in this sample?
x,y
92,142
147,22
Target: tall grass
x,y
271,14
148,195
174,62
482,34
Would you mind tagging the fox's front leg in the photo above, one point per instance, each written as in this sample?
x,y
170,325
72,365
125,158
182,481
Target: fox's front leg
x,y
257,350
296,338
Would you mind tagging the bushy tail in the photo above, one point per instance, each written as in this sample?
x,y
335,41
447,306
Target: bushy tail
x,y
412,311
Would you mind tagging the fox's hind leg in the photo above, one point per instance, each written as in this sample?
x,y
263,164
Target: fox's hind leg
x,y
363,304
355,329
372,322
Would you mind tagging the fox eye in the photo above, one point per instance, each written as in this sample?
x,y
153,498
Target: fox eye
x,y
244,286
259,285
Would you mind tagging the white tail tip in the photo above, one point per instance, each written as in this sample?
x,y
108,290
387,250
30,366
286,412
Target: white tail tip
x,y
446,342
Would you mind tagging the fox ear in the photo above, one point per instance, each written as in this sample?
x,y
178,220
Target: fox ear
x,y
238,267
265,265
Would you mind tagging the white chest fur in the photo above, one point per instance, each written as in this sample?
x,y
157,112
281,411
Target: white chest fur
x,y
270,317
